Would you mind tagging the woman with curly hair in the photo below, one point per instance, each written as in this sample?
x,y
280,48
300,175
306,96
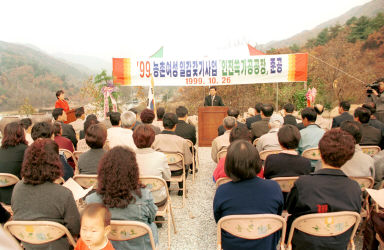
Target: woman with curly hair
x,y
120,190
37,197
12,150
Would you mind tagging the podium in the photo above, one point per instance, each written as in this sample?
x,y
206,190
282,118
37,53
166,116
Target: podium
x,y
210,118
71,117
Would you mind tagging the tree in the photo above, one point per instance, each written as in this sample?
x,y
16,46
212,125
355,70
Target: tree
x,y
323,37
294,48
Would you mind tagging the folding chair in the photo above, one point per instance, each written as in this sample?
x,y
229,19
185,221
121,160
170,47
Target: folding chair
x,y
5,181
364,182
86,180
194,155
174,158
255,142
59,181
256,226
77,154
155,184
222,180
38,232
370,150
264,154
312,154
122,230
286,184
68,154
326,225
221,154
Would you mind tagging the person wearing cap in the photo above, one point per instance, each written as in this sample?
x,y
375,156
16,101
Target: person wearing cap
x,y
269,140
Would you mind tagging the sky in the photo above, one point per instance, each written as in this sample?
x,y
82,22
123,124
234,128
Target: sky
x,y
198,28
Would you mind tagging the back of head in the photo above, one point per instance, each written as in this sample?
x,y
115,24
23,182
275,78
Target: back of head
x,y
56,128
143,136
181,111
118,177
233,112
115,118
229,122
79,112
96,135
371,106
309,113
128,119
242,161
289,108
97,210
345,105
276,121
88,123
336,147
13,135
94,117
354,128
26,123
57,112
42,130
169,120
160,113
239,133
147,116
289,136
363,114
267,110
258,107
319,109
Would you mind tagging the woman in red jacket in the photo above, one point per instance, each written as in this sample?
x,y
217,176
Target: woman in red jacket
x,y
61,102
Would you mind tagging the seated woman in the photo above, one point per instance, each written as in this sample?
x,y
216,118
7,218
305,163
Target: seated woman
x,y
288,162
151,162
64,143
37,197
246,194
120,190
95,138
326,190
12,150
147,116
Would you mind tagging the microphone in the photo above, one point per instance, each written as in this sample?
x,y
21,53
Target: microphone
x,y
66,98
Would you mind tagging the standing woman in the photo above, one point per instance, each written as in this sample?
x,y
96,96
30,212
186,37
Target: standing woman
x,y
61,102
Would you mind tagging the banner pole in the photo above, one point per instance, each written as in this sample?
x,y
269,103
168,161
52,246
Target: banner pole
x,y
277,96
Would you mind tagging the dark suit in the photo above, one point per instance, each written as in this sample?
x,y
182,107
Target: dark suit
x,y
221,129
326,190
290,119
379,125
339,119
185,130
371,135
69,133
216,101
251,120
260,128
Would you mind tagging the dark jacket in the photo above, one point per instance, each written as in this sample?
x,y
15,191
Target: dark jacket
x,y
251,120
185,130
371,135
221,129
326,190
286,165
339,119
216,102
260,128
69,133
290,119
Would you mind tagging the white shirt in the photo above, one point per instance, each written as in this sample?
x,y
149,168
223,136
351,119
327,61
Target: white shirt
x,y
118,136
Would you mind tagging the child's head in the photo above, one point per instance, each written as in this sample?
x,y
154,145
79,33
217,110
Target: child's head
x,y
95,225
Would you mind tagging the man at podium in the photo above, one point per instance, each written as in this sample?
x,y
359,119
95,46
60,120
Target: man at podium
x,y
61,102
213,99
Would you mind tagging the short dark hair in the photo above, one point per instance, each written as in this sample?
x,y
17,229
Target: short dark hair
x,y
96,135
26,123
160,113
181,111
233,112
354,128
79,112
289,136
41,130
147,116
143,136
88,123
371,106
336,147
13,135
170,120
242,161
115,118
212,87
345,105
56,128
362,114
309,113
92,117
319,109
94,209
258,107
58,93
239,133
41,162
57,112
267,110
134,110
289,108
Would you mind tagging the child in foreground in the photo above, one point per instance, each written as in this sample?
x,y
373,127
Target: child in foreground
x,y
95,227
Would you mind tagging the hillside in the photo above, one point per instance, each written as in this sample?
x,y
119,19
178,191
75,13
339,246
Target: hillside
x,y
91,64
26,72
369,9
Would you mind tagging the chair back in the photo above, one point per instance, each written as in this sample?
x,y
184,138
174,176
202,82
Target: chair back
x,y
264,154
251,226
38,232
312,154
8,180
255,141
59,181
68,154
122,230
222,180
153,183
286,183
370,150
77,154
364,182
86,180
221,154
174,158
326,224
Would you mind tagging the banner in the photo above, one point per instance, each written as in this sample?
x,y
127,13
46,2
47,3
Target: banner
x,y
206,72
